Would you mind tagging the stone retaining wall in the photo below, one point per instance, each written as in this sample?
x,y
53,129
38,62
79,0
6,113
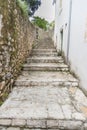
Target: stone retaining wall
x,y
16,38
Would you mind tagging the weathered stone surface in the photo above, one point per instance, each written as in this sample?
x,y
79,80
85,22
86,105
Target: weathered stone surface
x,y
67,110
29,129
45,60
52,124
42,78
55,54
54,111
70,125
16,38
49,50
45,67
12,128
18,122
79,116
53,129
36,123
40,103
5,122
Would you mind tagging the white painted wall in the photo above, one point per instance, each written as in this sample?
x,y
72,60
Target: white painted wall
x,y
78,43
61,21
46,10
78,36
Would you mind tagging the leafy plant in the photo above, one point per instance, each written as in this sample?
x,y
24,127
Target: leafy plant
x,y
52,24
1,103
24,6
41,22
33,6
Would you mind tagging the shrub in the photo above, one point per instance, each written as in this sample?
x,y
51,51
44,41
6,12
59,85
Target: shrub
x,y
33,6
23,6
40,22
52,24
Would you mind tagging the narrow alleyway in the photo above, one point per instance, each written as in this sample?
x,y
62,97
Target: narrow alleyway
x,y
45,95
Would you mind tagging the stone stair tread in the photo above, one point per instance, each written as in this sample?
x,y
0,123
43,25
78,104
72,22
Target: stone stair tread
x,y
46,76
43,50
45,65
45,54
45,57
50,104
36,59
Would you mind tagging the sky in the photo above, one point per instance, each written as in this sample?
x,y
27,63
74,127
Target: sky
x,y
46,10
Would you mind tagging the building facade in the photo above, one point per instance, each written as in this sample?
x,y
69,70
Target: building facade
x,y
70,36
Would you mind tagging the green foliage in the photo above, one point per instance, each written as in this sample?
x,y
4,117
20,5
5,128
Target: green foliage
x,y
42,23
52,24
23,6
1,103
3,98
33,6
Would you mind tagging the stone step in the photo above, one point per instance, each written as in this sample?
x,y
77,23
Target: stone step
x,y
52,54
46,78
44,50
46,124
45,67
45,60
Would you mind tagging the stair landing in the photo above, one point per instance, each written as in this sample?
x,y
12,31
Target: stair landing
x,y
45,107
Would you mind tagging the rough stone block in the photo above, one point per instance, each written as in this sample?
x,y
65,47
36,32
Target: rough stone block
x,y
18,122
12,128
5,122
52,124
53,129
33,129
36,123
70,125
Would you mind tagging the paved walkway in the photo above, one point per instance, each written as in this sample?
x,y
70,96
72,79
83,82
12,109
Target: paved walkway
x,y
45,96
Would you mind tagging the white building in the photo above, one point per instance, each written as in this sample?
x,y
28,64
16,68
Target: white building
x,y
71,35
46,10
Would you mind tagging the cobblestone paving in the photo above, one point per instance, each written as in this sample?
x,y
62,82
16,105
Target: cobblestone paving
x,y
45,100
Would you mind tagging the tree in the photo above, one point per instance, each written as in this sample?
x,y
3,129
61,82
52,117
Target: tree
x,y
41,22
33,6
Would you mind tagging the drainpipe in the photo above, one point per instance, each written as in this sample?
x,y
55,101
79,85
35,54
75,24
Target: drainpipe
x,y
69,31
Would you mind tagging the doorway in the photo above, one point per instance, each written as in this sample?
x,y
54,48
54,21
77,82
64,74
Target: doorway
x,y
61,38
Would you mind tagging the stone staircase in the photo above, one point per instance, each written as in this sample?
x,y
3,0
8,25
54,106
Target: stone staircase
x,y
45,60
45,96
